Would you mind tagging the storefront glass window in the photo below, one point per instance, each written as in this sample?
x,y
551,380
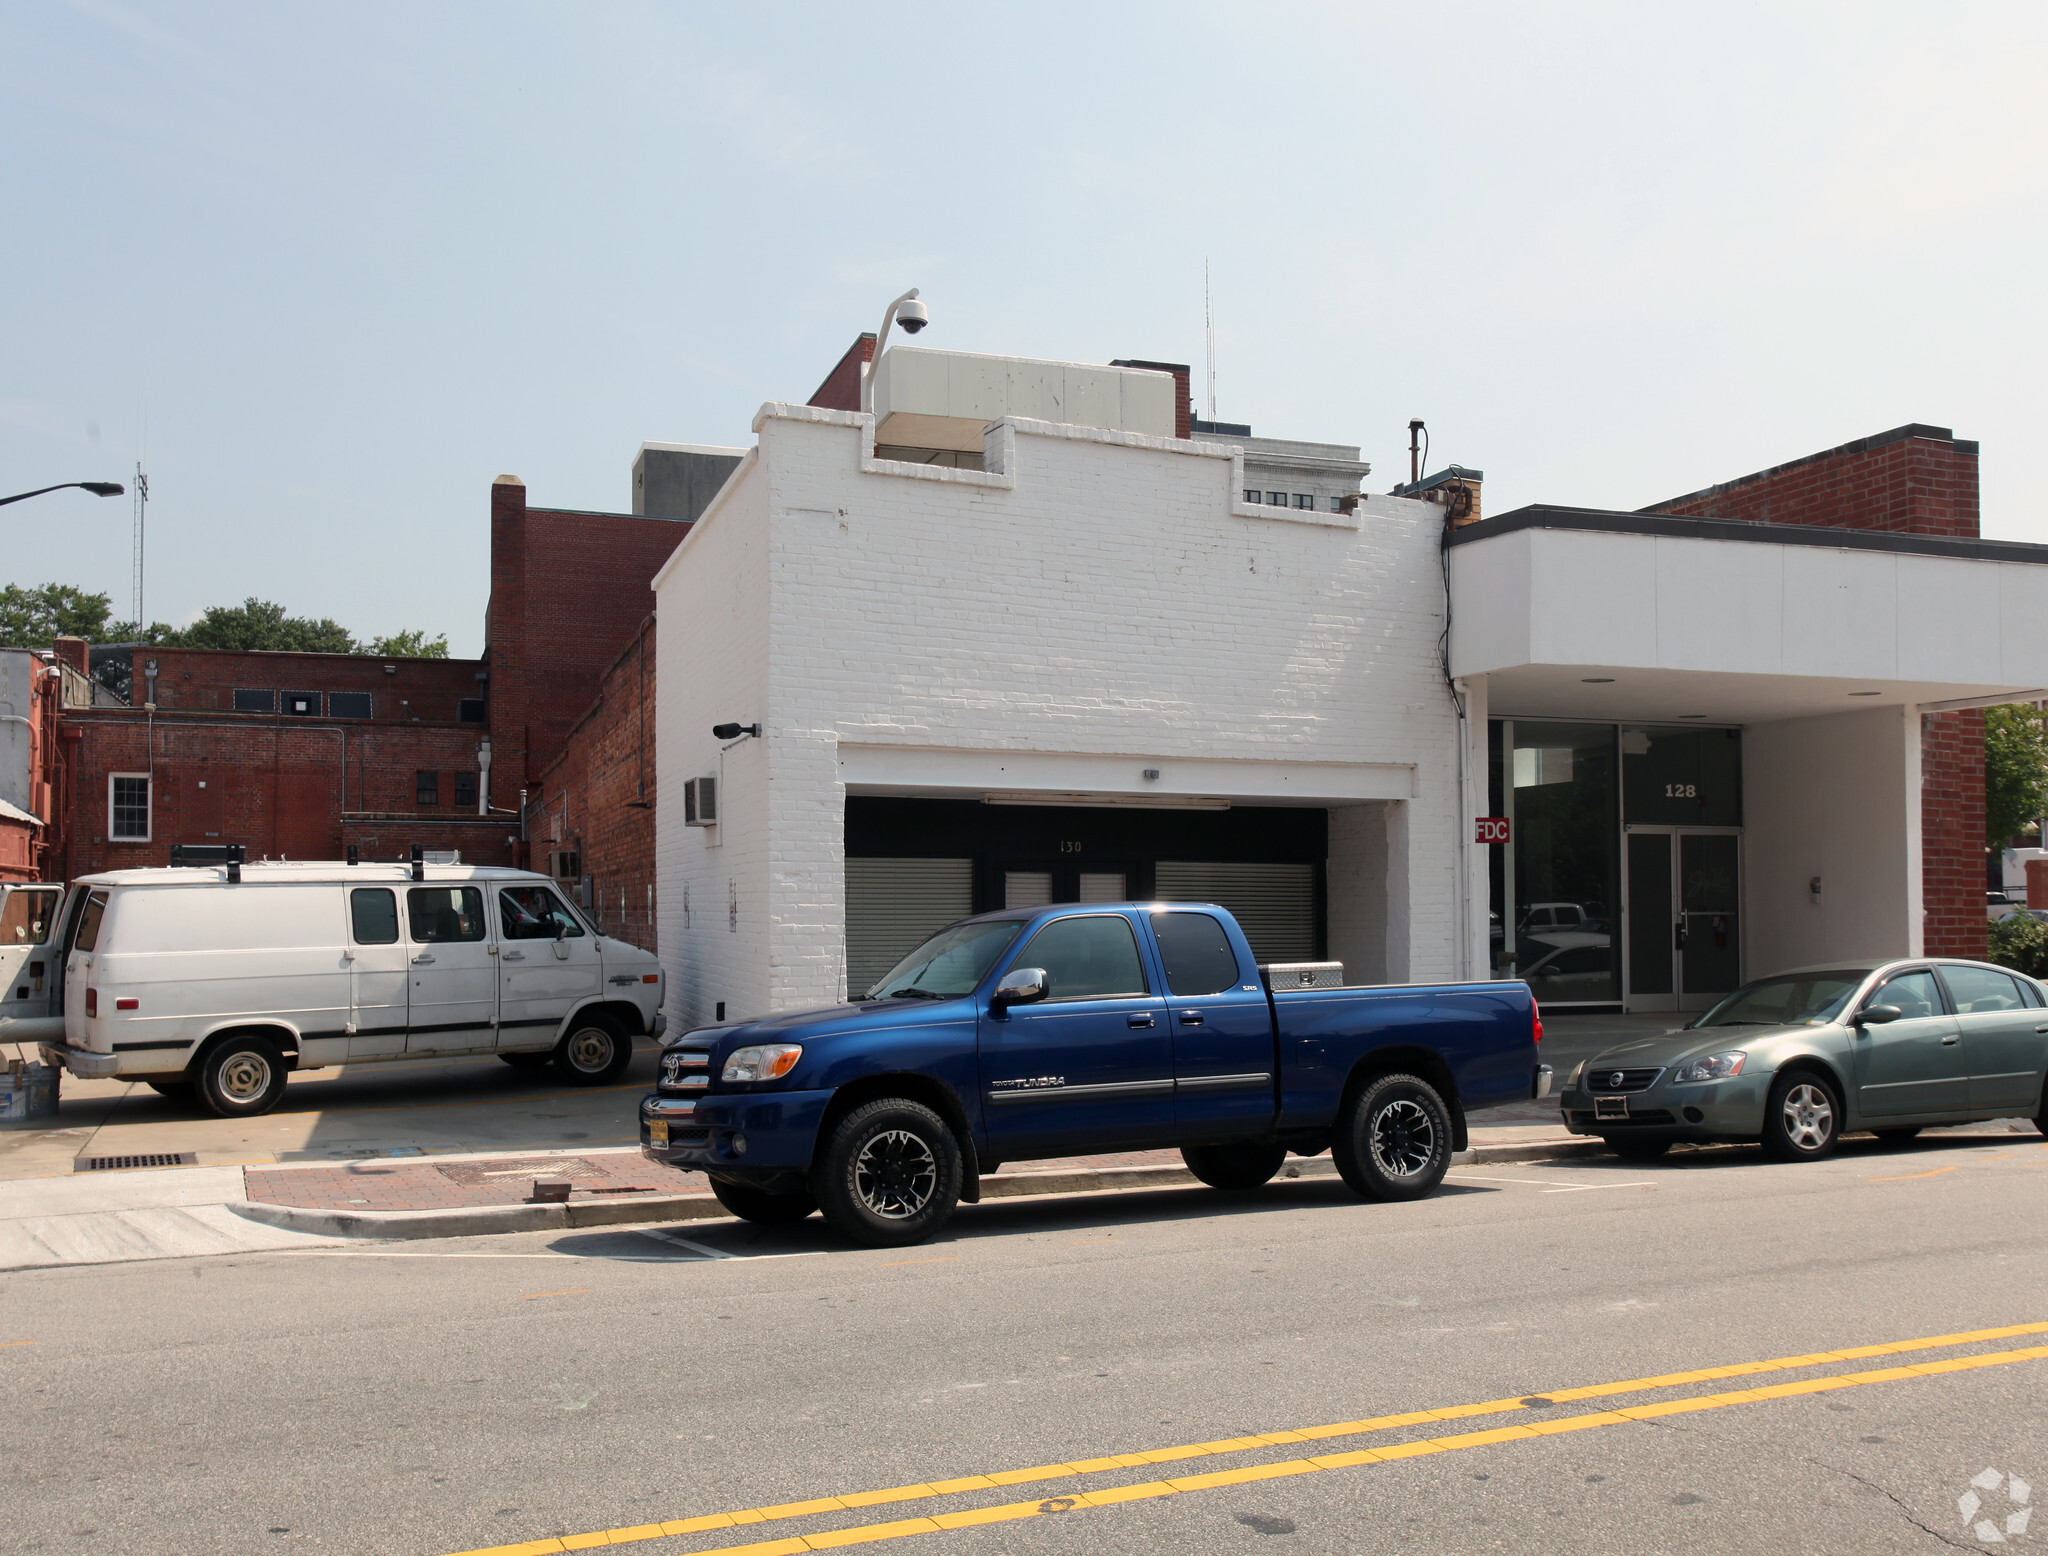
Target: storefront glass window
x,y
1556,884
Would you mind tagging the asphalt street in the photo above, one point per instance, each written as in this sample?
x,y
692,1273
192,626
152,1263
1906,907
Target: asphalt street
x,y
1137,1372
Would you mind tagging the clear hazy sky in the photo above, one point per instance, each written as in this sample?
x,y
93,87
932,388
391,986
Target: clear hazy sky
x,y
356,260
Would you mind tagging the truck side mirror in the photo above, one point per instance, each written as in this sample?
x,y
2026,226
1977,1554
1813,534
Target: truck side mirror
x,y
1877,1015
1020,986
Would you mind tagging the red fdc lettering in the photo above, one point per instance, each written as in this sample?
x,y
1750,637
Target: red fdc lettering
x,y
1491,829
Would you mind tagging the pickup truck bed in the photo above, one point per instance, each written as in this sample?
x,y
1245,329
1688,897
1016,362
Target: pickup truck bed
x,y
1073,1031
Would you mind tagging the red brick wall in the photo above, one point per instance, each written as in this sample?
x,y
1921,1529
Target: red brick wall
x,y
568,592
1916,480
413,691
598,796
281,787
841,389
1952,833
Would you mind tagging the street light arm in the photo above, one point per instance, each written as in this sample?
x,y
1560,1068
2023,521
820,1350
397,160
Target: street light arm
x,y
97,488
867,379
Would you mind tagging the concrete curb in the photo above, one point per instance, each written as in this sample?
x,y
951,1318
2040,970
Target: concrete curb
x,y
1534,1151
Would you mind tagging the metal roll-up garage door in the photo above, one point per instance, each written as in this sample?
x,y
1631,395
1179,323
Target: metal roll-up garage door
x,y
893,904
1275,903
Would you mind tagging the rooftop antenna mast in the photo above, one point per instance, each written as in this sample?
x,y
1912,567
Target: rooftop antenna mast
x,y
141,507
1209,327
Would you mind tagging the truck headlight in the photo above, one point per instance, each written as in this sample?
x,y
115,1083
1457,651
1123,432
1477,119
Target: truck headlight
x,y
1715,1067
761,1062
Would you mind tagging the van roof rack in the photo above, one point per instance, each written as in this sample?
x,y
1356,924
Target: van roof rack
x,y
233,855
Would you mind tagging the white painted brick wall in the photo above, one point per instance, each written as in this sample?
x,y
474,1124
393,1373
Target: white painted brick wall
x,y
1090,592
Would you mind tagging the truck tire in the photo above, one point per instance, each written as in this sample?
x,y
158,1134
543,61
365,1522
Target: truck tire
x,y
594,1053
761,1207
241,1077
1240,1165
1802,1119
1394,1141
889,1175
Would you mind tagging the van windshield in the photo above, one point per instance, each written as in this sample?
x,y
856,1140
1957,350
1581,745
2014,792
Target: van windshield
x,y
949,964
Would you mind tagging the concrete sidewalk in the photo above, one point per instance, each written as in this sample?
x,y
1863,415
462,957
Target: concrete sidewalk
x,y
114,1217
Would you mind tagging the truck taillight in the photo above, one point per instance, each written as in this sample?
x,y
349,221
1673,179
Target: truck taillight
x,y
92,1003
1536,1019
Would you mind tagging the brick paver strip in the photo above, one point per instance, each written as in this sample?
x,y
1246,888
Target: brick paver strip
x,y
421,1184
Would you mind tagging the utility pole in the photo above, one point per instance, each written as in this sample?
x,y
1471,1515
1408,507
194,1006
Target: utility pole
x,y
1209,329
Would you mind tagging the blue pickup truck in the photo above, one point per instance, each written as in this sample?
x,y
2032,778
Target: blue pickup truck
x,y
1075,1030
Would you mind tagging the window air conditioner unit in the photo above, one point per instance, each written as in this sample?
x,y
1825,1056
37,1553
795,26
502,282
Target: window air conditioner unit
x,y
700,802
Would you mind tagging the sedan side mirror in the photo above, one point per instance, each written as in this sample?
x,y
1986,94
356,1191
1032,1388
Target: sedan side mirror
x,y
1020,986
1877,1015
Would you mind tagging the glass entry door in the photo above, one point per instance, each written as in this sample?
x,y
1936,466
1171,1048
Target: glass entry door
x,y
1683,917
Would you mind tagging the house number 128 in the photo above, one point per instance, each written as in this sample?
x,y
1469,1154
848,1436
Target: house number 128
x,y
1681,791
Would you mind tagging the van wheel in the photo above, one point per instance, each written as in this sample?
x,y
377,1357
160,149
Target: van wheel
x,y
594,1053
1802,1119
177,1091
1244,1165
242,1077
890,1174
1394,1141
539,1061
761,1207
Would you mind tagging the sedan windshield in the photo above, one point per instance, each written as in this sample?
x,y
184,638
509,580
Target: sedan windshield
x,y
949,964
1793,1000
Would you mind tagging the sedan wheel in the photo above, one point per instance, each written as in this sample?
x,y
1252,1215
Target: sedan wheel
x,y
1803,1119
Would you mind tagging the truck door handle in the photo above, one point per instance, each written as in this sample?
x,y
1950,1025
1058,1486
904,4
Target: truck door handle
x,y
515,956
1189,1018
1138,1021
421,959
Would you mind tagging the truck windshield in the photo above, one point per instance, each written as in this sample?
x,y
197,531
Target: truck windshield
x,y
1793,1000
949,964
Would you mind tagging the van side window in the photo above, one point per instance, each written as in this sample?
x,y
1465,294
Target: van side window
x,y
533,913
26,918
88,936
373,914
438,913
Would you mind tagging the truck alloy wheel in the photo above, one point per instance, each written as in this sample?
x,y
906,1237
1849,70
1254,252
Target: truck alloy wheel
x,y
1394,1140
1802,1119
890,1173
594,1053
242,1077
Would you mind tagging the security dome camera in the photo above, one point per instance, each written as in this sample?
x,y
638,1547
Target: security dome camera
x,y
913,316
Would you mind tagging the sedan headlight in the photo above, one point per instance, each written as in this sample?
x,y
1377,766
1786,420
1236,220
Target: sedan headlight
x,y
761,1062
1715,1067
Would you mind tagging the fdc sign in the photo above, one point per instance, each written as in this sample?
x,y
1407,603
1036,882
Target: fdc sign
x,y
1491,829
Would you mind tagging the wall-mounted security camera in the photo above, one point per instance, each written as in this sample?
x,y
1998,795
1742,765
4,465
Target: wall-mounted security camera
x,y
913,316
734,731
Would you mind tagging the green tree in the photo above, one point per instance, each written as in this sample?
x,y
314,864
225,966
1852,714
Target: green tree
x,y
2020,941
262,624
31,618
409,645
2015,771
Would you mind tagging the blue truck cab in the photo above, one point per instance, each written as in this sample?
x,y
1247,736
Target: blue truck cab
x,y
1077,1030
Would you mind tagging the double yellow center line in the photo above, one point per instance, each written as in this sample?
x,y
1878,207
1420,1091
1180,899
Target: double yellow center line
x,y
1547,1426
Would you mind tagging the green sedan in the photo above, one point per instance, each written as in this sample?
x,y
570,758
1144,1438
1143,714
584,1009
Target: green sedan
x,y
1797,1060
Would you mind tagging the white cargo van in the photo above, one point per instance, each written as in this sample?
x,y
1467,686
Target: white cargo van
x,y
217,981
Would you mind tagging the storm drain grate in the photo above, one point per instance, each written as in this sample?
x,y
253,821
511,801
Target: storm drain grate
x,y
116,1163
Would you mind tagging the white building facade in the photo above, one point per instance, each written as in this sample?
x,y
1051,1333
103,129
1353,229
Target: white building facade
x,y
999,657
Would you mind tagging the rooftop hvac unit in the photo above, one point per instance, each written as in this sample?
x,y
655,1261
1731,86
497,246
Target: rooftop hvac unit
x,y
700,802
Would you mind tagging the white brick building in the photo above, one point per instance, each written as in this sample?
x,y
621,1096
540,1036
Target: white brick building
x,y
1086,669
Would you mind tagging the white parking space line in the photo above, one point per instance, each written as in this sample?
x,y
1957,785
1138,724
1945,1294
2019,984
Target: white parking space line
x,y
1552,1186
708,1252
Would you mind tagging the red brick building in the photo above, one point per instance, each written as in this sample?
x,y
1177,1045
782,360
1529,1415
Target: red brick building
x,y
1915,480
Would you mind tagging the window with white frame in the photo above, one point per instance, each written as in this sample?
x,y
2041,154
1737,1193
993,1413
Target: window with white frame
x,y
128,807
